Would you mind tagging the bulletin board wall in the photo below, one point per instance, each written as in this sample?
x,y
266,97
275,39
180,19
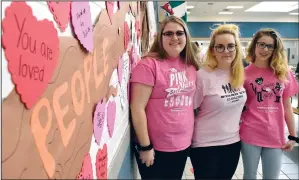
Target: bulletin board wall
x,y
65,94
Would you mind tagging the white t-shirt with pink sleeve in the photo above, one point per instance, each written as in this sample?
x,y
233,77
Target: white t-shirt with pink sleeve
x,y
169,111
220,107
263,121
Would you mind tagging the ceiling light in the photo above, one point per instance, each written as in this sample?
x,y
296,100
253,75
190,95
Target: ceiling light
x,y
188,12
294,13
190,7
274,6
234,7
226,12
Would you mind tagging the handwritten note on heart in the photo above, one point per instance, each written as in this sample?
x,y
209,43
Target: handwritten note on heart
x,y
126,35
31,56
101,163
86,170
110,8
61,12
111,114
81,20
98,120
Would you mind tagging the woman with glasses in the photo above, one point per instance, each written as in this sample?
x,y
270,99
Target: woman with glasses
x,y
163,86
219,100
269,85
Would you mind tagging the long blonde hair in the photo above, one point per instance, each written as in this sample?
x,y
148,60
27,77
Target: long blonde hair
x,y
237,68
278,61
157,51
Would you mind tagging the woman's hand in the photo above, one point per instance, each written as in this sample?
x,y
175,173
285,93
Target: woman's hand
x,y
288,146
147,157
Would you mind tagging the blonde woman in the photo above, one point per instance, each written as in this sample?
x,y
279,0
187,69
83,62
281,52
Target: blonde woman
x,y
269,85
163,86
219,100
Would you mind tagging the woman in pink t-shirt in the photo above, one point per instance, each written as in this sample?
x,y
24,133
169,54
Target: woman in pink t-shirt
x,y
219,98
269,85
163,85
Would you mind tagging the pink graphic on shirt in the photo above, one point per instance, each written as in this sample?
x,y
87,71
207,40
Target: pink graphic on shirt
x,y
179,84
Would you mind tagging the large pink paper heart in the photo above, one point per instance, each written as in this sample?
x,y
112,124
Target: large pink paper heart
x,y
102,163
81,20
111,114
31,49
86,170
98,121
61,13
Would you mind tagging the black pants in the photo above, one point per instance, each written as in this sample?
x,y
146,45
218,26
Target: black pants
x,y
215,162
167,165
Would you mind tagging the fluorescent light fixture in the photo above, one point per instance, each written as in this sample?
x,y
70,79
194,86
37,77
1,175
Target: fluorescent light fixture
x,y
225,12
190,7
234,7
294,13
188,12
274,6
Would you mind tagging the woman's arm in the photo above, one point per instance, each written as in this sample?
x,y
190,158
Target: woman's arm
x,y
289,116
140,95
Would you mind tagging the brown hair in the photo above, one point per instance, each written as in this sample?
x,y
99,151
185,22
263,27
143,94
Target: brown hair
x,y
157,50
237,68
278,61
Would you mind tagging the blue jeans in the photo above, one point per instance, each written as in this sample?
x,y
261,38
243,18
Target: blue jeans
x,y
271,161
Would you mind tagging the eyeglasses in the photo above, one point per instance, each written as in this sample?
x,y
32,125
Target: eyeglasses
x,y
170,34
263,45
221,48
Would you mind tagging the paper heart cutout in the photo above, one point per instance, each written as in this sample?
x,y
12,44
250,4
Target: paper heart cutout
x,y
31,49
61,13
98,121
110,8
101,163
111,115
120,68
81,20
126,35
86,170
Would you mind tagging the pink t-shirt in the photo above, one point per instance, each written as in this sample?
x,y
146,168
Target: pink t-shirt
x,y
169,111
220,107
263,121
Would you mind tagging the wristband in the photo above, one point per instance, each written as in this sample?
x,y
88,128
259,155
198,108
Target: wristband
x,y
293,138
145,148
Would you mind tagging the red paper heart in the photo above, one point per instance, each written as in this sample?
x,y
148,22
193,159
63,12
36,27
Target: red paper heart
x,y
61,12
31,49
101,163
86,170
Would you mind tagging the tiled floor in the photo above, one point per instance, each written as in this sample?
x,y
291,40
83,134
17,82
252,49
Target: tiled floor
x,y
289,169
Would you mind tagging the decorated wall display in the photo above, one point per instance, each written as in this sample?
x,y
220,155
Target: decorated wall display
x,y
32,56
102,163
61,13
81,20
86,170
98,120
111,114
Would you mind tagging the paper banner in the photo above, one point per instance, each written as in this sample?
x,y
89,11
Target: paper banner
x,y
98,120
110,7
81,20
61,13
111,114
101,163
86,170
31,49
126,35
120,67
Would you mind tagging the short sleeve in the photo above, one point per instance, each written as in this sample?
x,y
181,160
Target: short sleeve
x,y
291,86
198,95
144,72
